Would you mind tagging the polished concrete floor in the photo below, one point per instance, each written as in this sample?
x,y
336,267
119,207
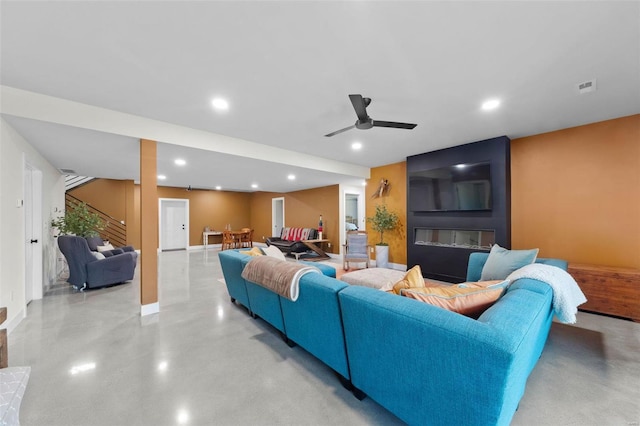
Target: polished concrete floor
x,y
204,361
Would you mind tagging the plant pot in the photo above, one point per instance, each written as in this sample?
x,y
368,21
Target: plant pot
x,y
382,256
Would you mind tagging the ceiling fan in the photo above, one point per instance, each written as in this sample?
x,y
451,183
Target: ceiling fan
x,y
360,104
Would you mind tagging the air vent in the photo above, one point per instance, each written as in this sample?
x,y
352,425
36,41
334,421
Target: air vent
x,y
68,171
587,86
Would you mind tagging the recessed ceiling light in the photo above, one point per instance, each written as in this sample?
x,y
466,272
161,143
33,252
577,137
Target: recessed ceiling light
x,y
461,166
491,104
254,185
220,104
218,188
291,177
179,162
356,146
161,177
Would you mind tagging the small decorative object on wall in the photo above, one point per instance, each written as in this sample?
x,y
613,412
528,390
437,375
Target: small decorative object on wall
x,y
383,220
383,189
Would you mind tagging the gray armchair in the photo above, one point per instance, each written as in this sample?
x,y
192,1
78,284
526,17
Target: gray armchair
x,y
356,249
87,271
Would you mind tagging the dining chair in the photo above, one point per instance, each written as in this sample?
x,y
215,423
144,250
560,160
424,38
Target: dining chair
x,y
246,237
228,240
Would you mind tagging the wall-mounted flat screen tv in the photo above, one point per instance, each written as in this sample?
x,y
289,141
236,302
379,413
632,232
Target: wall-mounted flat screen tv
x,y
459,187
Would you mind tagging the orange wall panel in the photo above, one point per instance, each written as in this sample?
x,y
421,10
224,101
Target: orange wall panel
x,y
396,201
575,193
214,209
106,195
301,209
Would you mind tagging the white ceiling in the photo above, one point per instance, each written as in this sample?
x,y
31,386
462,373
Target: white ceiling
x,y
287,69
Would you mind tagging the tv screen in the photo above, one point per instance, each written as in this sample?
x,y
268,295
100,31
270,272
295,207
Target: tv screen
x,y
460,187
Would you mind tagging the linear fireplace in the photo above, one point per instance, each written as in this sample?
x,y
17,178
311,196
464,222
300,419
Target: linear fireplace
x,y
458,238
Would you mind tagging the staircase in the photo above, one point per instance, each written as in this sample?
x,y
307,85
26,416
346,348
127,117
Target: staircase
x,y
115,230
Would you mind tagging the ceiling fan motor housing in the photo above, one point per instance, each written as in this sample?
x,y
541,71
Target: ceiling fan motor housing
x,y
363,125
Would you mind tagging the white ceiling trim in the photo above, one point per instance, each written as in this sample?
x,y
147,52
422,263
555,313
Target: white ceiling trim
x,y
36,106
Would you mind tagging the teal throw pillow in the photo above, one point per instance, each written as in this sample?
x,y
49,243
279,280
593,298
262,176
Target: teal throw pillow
x,y
501,262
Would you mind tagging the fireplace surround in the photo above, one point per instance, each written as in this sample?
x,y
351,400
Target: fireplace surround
x,y
441,241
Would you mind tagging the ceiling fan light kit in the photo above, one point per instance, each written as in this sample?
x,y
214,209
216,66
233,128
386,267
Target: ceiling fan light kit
x,y
365,122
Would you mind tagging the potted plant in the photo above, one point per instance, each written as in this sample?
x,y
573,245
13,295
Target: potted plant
x,y
383,220
78,220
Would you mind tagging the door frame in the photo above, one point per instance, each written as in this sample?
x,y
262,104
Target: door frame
x,y
161,236
274,210
32,211
346,190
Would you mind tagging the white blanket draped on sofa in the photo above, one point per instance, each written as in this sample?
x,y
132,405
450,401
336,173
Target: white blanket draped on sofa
x,y
567,295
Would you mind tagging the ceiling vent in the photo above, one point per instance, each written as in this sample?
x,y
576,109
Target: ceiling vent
x,y
68,171
587,86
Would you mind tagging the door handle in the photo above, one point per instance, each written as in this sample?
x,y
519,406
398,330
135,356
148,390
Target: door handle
x,y
33,241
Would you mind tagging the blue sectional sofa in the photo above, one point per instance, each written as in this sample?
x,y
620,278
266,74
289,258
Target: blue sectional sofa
x,y
424,364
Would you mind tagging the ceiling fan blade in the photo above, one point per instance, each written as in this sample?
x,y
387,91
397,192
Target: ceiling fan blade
x,y
340,131
393,124
360,106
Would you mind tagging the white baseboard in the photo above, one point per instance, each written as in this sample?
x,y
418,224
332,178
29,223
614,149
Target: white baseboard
x,y
149,309
13,323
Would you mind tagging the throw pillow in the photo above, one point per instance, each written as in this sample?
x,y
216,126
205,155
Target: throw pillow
x,y
253,252
98,255
273,251
412,279
470,300
105,247
501,262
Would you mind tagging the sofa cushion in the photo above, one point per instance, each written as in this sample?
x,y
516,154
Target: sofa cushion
x,y
501,262
253,252
105,247
470,299
274,251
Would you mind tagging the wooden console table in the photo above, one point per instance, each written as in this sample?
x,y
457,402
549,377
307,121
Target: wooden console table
x,y
316,247
207,234
609,290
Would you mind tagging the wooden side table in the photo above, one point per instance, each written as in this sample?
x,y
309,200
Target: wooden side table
x,y
315,246
609,290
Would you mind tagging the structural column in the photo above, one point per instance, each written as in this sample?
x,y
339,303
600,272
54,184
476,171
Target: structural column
x,y
148,228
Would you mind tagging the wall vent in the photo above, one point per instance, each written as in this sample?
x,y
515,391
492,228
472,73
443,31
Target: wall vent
x,y
587,86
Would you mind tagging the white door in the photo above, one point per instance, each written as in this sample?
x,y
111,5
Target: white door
x,y
174,226
277,216
33,233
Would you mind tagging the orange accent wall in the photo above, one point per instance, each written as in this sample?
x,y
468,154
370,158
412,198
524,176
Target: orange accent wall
x,y
395,201
214,209
575,193
106,195
301,209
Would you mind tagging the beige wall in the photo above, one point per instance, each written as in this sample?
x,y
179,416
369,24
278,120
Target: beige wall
x,y
575,193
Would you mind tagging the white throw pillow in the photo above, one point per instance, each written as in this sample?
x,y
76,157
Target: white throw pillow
x,y
98,255
106,247
274,251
